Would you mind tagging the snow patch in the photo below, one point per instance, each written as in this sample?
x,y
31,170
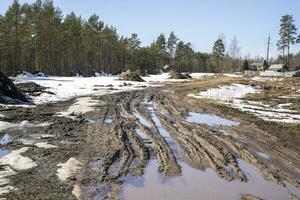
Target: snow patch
x,y
5,125
16,161
68,169
228,93
23,124
45,145
81,106
233,75
77,191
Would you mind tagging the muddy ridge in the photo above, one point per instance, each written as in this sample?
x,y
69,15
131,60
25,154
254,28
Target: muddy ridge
x,y
119,138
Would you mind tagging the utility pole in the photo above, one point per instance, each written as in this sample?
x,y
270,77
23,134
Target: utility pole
x,y
268,48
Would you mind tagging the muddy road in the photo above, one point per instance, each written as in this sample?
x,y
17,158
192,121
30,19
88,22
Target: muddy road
x,y
102,153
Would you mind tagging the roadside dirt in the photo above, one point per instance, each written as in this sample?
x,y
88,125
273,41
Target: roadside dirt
x,y
107,146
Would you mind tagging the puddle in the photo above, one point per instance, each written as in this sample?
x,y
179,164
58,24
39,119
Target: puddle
x,y
81,106
142,119
142,134
95,165
209,119
6,138
263,155
108,120
162,131
198,184
157,123
3,152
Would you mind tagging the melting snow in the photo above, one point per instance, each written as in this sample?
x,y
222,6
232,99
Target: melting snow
x,y
23,124
45,145
17,161
64,88
68,169
233,94
228,93
81,106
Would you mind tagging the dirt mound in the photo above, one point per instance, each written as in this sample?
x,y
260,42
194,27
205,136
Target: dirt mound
x,y
141,72
131,76
31,88
177,75
9,93
297,74
249,197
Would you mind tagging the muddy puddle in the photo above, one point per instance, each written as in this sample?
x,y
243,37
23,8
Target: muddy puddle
x,y
25,133
162,131
109,120
209,119
201,184
5,139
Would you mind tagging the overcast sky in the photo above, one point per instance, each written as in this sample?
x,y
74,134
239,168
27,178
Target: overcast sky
x,y
197,21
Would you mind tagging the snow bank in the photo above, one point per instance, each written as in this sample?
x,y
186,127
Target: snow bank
x,y
65,88
228,93
26,75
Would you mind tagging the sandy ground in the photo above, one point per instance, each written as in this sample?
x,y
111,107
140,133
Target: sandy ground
x,y
88,155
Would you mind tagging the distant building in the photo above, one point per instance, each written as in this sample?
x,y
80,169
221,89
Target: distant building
x,y
278,68
257,67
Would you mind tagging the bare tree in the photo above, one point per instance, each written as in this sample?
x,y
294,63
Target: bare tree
x,y
234,48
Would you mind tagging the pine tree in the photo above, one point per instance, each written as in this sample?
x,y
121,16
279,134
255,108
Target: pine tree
x,y
219,49
287,34
171,48
161,46
245,65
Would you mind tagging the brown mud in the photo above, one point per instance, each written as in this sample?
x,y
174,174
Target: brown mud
x,y
109,150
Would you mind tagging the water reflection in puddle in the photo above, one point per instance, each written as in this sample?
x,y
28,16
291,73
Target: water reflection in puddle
x,y
141,134
197,184
108,120
162,131
142,119
6,138
209,119
263,155
3,152
157,123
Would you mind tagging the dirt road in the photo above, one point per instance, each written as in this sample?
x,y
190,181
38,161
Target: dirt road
x,y
90,156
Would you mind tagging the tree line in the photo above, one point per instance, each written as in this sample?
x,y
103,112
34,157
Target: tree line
x,y
37,37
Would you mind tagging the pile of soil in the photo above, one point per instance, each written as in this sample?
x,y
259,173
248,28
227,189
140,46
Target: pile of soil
x,y
297,74
177,75
9,92
31,88
141,72
131,76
